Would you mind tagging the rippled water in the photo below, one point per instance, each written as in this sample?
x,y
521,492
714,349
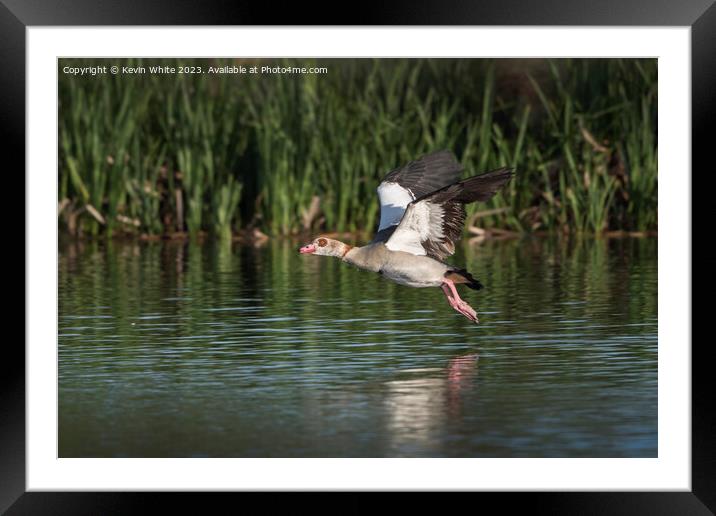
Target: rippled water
x,y
184,350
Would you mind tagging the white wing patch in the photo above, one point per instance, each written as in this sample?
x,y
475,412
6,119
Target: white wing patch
x,y
422,221
393,200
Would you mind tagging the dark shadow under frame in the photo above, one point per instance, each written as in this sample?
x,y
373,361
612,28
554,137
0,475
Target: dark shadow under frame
x,y
700,15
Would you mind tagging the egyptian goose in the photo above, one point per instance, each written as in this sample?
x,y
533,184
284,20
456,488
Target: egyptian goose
x,y
422,214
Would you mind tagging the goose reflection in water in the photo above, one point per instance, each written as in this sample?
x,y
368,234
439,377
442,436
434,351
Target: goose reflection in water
x,y
420,408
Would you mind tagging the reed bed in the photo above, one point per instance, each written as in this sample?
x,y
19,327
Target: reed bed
x,y
165,155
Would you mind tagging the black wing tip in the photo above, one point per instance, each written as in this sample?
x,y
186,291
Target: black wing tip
x,y
475,188
484,186
509,172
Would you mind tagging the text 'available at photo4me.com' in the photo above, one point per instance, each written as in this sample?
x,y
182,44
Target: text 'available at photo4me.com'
x,y
192,69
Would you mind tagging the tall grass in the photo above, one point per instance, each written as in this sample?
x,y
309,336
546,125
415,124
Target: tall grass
x,y
207,153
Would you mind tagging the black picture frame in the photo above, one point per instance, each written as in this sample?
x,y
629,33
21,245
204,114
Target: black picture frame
x,y
700,15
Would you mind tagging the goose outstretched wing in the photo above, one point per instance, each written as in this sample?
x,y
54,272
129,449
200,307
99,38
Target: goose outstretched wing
x,y
433,223
405,184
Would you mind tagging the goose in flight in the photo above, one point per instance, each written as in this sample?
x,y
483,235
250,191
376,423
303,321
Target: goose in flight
x,y
422,214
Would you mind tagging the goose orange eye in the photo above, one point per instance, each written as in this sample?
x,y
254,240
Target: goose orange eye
x,y
322,242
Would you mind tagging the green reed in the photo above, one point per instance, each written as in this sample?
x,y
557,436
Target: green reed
x,y
205,153
98,127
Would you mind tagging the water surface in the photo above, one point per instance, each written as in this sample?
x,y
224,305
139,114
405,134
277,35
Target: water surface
x,y
171,349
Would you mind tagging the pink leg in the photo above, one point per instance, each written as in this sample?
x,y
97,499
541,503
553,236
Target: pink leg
x,y
448,295
456,303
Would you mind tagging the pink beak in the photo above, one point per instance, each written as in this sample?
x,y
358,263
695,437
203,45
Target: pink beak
x,y
307,249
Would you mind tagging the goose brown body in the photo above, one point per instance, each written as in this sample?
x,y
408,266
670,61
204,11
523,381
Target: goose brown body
x,y
399,266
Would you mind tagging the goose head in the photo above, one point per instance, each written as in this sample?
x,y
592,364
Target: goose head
x,y
323,246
